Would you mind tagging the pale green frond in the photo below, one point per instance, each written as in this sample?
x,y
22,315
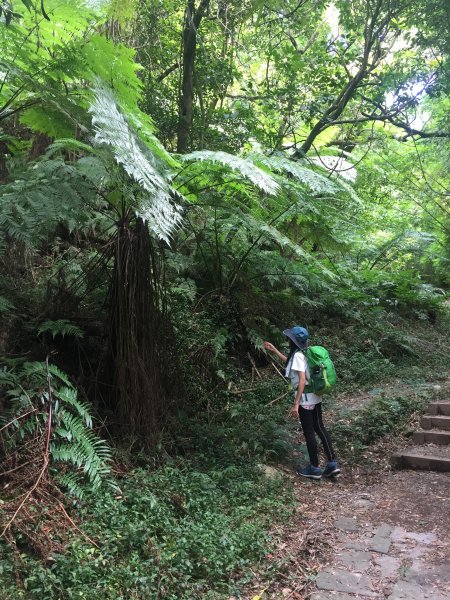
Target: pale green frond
x,y
284,241
263,180
112,129
316,182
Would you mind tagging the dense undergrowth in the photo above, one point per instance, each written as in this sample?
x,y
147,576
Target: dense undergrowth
x,y
190,520
176,532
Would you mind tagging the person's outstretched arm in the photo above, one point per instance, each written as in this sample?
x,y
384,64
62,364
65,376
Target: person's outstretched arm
x,y
271,348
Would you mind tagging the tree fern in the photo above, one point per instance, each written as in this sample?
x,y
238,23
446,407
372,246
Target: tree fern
x,y
48,193
316,182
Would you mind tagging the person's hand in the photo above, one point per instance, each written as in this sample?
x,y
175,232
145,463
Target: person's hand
x,y
294,412
269,346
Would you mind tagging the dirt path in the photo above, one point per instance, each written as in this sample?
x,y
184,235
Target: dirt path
x,y
356,539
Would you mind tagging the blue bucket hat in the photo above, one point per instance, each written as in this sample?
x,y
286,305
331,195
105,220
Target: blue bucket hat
x,y
299,335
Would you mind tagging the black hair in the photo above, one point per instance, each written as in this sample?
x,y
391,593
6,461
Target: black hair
x,y
292,350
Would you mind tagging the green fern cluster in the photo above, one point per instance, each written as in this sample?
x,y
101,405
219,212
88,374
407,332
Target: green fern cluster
x,y
48,193
79,458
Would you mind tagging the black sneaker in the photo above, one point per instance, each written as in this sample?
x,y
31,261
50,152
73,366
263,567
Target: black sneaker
x,y
331,469
310,471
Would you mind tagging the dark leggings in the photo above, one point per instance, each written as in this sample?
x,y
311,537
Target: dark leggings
x,y
311,421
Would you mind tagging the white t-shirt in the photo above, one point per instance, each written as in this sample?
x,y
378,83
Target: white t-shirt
x,y
298,364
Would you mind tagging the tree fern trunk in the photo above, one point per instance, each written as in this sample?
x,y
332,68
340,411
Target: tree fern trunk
x,y
140,334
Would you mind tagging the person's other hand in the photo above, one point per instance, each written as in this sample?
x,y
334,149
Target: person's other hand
x,y
294,412
269,346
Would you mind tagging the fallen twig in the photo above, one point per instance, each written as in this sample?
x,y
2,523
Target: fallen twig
x,y
278,371
75,526
16,468
278,398
253,365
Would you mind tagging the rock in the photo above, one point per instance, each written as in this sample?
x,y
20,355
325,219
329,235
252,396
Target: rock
x,y
388,565
331,596
346,524
381,542
357,561
406,590
342,581
363,503
269,472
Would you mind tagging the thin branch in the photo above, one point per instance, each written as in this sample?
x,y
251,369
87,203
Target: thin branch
x,y
18,418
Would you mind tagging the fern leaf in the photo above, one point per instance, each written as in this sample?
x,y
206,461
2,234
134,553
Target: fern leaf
x,y
112,129
60,327
261,179
316,182
68,144
68,396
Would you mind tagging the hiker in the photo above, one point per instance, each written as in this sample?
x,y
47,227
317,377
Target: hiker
x,y
307,406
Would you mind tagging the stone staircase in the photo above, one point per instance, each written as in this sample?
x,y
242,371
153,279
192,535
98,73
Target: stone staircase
x,y
431,450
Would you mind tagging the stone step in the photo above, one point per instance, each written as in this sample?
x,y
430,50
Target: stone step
x,y
433,436
435,422
440,408
426,458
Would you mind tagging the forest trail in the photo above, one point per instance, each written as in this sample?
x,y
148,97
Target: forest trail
x,y
385,539
380,534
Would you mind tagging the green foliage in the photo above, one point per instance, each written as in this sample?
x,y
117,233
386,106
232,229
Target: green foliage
x,y
47,194
256,175
357,429
60,327
349,235
142,164
5,305
179,531
72,442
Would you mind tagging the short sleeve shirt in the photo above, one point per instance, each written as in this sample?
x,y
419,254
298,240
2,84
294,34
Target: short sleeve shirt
x,y
299,364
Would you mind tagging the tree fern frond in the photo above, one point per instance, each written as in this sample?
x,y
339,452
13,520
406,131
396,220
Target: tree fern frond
x,y
284,241
263,180
60,327
316,182
68,144
336,165
158,208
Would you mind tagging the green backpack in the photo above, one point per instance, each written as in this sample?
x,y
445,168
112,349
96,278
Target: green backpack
x,y
322,374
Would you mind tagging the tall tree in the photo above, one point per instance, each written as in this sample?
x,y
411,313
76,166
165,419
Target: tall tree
x,y
192,19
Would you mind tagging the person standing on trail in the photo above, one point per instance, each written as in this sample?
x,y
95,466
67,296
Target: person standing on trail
x,y
307,406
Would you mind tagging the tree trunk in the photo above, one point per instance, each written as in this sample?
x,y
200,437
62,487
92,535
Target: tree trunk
x,y
192,22
141,338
